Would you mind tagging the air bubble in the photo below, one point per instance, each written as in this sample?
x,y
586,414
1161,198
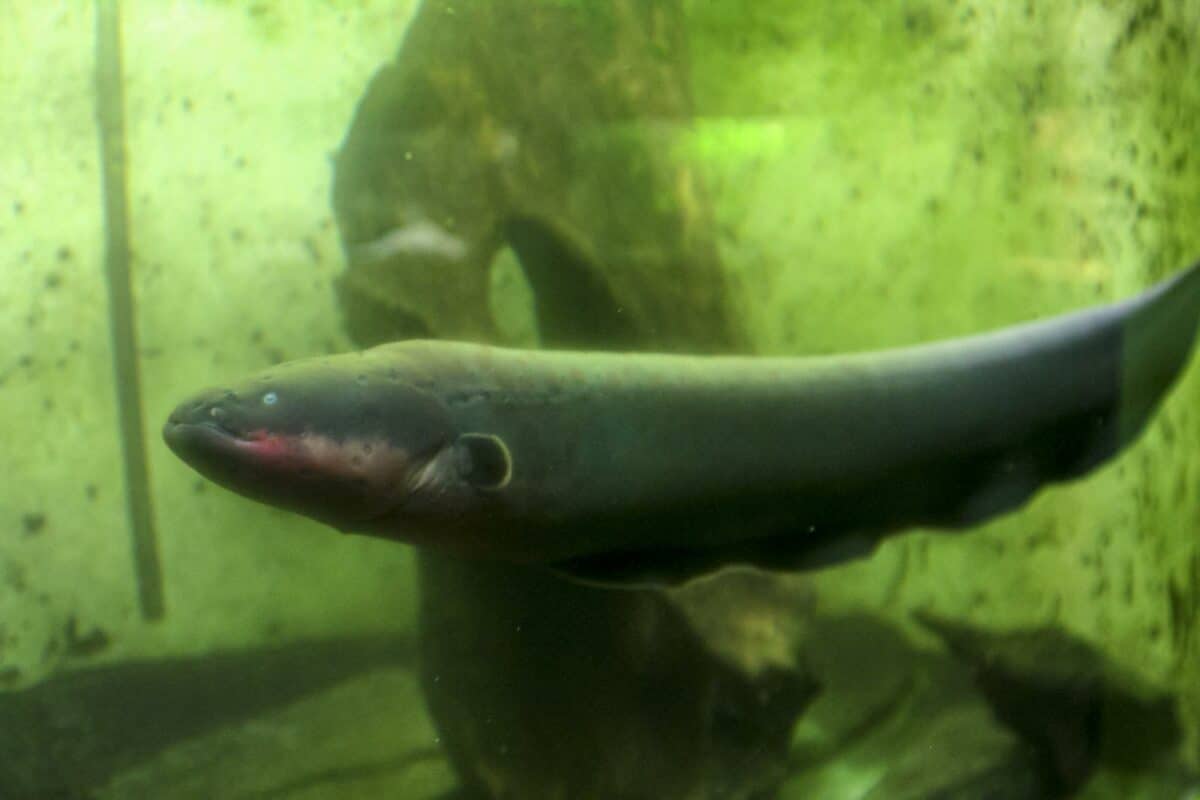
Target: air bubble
x,y
270,399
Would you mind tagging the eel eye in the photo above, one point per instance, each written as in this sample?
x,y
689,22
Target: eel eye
x,y
270,399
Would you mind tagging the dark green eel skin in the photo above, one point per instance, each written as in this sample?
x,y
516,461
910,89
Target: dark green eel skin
x,y
634,468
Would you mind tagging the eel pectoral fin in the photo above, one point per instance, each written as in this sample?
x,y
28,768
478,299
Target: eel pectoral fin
x,y
485,461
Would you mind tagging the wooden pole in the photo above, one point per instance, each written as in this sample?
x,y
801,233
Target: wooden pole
x,y
110,114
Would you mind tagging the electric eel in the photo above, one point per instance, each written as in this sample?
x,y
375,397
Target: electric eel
x,y
628,469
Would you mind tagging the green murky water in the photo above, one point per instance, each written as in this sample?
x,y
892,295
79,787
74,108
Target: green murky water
x,y
778,177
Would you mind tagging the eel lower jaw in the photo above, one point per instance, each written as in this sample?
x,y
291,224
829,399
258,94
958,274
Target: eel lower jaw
x,y
217,453
269,469
188,440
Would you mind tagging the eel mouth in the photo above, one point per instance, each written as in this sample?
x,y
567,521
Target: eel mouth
x,y
205,434
217,452
286,471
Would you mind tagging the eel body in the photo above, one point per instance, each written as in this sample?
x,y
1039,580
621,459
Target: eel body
x,y
636,468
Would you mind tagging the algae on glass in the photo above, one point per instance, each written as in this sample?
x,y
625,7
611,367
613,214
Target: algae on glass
x,y
831,175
